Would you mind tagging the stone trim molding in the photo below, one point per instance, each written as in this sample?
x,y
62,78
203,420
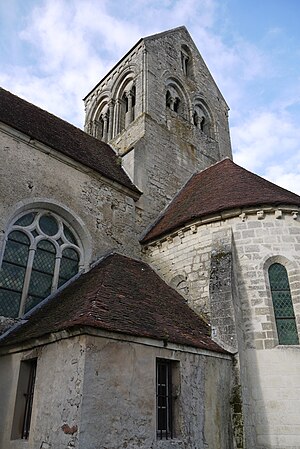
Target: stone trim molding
x,y
277,212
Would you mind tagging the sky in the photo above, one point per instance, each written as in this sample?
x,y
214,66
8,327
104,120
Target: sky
x,y
53,52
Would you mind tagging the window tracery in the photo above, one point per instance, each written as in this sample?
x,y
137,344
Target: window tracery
x,y
40,255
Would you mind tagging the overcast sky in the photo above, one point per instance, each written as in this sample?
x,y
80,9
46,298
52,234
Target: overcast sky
x,y
53,52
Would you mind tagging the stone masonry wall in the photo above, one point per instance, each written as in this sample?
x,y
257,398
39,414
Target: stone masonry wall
x,y
164,61
269,372
183,260
161,148
56,413
105,215
119,397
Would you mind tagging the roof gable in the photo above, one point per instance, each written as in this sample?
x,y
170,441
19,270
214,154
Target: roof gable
x,y
120,294
62,136
220,187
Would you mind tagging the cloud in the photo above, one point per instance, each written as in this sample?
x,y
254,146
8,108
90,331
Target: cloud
x,y
267,142
71,44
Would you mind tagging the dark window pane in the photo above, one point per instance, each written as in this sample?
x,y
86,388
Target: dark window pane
x,y
278,277
26,220
42,273
9,303
12,273
44,258
16,250
40,284
12,277
287,331
32,301
283,306
48,224
69,235
68,266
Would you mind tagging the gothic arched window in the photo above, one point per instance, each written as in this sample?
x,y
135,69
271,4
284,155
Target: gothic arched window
x,y
41,254
283,305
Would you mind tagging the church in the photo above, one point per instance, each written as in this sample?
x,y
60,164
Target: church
x,y
149,286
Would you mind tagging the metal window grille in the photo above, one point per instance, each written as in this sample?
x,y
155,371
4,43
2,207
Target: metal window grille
x,y
164,399
29,400
283,305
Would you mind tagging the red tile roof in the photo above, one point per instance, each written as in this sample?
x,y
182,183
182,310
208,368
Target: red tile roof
x,y
119,295
62,136
219,188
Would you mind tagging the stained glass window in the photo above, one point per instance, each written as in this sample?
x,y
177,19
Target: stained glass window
x,y
41,254
283,305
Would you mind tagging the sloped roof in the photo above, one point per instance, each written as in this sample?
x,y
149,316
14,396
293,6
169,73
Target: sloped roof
x,y
219,188
62,136
120,294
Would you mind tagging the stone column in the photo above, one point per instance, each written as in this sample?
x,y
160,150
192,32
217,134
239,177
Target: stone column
x,y
116,118
129,113
105,126
110,119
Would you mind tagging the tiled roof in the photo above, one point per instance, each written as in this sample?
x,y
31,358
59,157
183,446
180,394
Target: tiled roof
x,y
119,295
61,136
221,187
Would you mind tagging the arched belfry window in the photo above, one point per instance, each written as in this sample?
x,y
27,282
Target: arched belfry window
x,y
174,99
202,119
41,254
186,61
104,123
283,305
127,106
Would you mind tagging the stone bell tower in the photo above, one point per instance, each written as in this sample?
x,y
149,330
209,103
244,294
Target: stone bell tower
x,y
162,112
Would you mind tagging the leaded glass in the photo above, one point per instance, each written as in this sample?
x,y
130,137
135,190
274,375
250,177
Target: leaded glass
x,y
26,220
283,306
287,331
12,273
48,225
16,250
69,235
12,277
44,259
32,301
48,271
9,303
42,270
68,265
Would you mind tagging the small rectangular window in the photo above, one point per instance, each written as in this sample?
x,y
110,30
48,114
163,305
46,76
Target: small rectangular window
x,y
166,392
24,400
